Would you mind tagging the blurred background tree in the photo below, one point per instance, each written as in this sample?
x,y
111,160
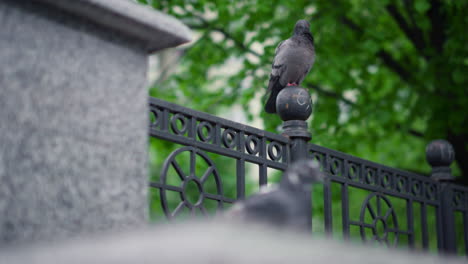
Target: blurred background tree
x,y
389,76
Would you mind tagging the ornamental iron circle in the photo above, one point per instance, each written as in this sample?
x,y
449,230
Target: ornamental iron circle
x,y
335,168
319,158
385,180
184,189
353,171
430,191
205,131
176,119
416,188
457,198
370,176
229,138
252,144
401,184
380,228
275,151
378,215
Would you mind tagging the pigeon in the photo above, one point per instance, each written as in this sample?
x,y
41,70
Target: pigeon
x,y
294,58
284,206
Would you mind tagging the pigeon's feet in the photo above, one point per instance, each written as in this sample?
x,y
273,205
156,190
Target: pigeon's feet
x,y
292,84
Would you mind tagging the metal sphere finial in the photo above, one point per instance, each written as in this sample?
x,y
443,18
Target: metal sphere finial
x,y
294,103
440,153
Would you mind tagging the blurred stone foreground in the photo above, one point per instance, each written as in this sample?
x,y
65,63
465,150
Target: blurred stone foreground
x,y
209,242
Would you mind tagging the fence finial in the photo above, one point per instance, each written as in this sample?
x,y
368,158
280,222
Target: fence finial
x,y
294,106
440,154
294,103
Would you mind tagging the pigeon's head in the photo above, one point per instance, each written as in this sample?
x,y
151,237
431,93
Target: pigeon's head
x,y
302,26
303,173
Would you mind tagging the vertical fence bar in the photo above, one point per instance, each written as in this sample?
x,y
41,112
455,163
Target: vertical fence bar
x,y
448,219
425,238
217,135
327,203
240,178
165,120
465,230
345,210
192,132
263,179
410,222
240,167
440,229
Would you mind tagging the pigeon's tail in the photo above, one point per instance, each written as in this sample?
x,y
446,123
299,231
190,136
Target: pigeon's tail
x,y
274,87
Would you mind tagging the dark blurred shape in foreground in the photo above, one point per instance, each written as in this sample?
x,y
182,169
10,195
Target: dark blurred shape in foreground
x,y
283,206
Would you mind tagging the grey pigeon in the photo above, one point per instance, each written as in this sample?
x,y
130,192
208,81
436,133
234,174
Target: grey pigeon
x,y
294,58
283,206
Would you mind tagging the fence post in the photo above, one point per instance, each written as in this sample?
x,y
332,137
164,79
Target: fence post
x,y
440,154
294,106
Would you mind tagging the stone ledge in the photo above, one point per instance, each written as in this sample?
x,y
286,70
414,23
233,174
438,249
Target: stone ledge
x,y
157,30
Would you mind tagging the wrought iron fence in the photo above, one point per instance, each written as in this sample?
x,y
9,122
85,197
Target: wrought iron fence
x,y
394,207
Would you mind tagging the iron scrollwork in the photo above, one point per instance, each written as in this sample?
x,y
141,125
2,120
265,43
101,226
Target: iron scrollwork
x,y
382,220
248,145
191,179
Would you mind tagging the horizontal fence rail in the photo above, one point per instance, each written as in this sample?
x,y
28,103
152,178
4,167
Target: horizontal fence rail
x,y
359,198
189,127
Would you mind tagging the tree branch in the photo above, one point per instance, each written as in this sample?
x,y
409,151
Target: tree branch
x,y
236,41
387,59
411,131
204,24
437,34
414,34
322,91
410,12
353,26
330,94
394,65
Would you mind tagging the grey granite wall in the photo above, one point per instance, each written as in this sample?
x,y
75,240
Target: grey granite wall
x,y
73,126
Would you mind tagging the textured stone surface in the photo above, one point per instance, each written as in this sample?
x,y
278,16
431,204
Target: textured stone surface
x,y
73,126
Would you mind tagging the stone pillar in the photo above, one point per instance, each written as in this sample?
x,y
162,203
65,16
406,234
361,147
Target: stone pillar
x,y
73,111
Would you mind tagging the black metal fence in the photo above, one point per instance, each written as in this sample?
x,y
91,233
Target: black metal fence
x,y
395,208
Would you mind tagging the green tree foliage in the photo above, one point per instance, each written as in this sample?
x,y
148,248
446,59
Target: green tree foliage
x,y
389,76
